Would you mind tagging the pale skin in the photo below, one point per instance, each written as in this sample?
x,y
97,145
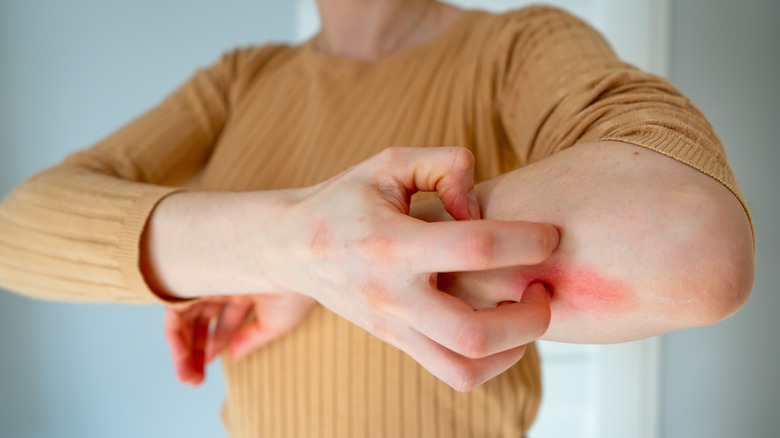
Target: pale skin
x,y
641,244
349,244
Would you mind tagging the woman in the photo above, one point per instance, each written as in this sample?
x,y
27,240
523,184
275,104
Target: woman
x,y
563,134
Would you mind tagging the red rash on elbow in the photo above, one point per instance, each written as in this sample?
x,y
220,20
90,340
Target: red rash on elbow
x,y
581,288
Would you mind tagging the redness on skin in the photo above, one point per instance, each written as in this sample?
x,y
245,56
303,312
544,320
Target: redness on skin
x,y
322,241
581,288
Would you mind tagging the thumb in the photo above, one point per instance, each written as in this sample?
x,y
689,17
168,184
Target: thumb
x,y
446,170
248,338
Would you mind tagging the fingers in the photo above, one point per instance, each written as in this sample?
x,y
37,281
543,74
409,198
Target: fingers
x,y
172,329
461,373
477,245
274,315
229,321
187,332
250,337
178,335
199,323
482,333
448,171
464,246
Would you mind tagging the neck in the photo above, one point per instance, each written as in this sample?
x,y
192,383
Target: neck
x,y
371,29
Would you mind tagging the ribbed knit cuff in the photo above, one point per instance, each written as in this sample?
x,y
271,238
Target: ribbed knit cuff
x,y
132,230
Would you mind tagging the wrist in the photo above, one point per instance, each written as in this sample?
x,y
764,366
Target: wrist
x,y
214,243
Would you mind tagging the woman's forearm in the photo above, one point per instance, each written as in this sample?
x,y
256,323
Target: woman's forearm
x,y
648,244
349,243
200,244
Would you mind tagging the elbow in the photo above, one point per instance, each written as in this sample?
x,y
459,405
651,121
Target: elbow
x,y
736,282
728,291
719,280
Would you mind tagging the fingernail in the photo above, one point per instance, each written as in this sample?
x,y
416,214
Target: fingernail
x,y
473,205
557,238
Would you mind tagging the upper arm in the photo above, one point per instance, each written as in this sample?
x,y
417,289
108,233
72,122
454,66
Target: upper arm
x,y
561,84
673,208
648,244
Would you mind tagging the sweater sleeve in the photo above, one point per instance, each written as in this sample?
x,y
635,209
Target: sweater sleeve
x,y
72,232
561,84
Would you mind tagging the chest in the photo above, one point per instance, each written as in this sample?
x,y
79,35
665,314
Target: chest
x,y
294,128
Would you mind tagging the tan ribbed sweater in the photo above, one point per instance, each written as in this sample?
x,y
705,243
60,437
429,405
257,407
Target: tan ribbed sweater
x,y
513,88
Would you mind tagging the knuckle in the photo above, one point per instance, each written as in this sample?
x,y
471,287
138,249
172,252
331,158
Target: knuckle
x,y
472,341
462,159
541,243
480,248
378,299
392,154
465,378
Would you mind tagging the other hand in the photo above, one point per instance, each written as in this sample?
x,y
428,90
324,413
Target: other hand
x,y
197,333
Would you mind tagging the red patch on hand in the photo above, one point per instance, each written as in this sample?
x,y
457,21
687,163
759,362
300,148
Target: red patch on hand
x,y
322,241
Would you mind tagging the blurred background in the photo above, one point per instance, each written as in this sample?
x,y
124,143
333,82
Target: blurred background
x,y
72,72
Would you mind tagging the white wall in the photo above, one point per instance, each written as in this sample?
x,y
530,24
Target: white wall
x,y
71,72
724,380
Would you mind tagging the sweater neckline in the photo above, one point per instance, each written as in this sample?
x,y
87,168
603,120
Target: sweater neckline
x,y
336,63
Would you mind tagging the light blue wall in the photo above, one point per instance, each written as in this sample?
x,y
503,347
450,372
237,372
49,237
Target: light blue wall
x,y
70,73
724,381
